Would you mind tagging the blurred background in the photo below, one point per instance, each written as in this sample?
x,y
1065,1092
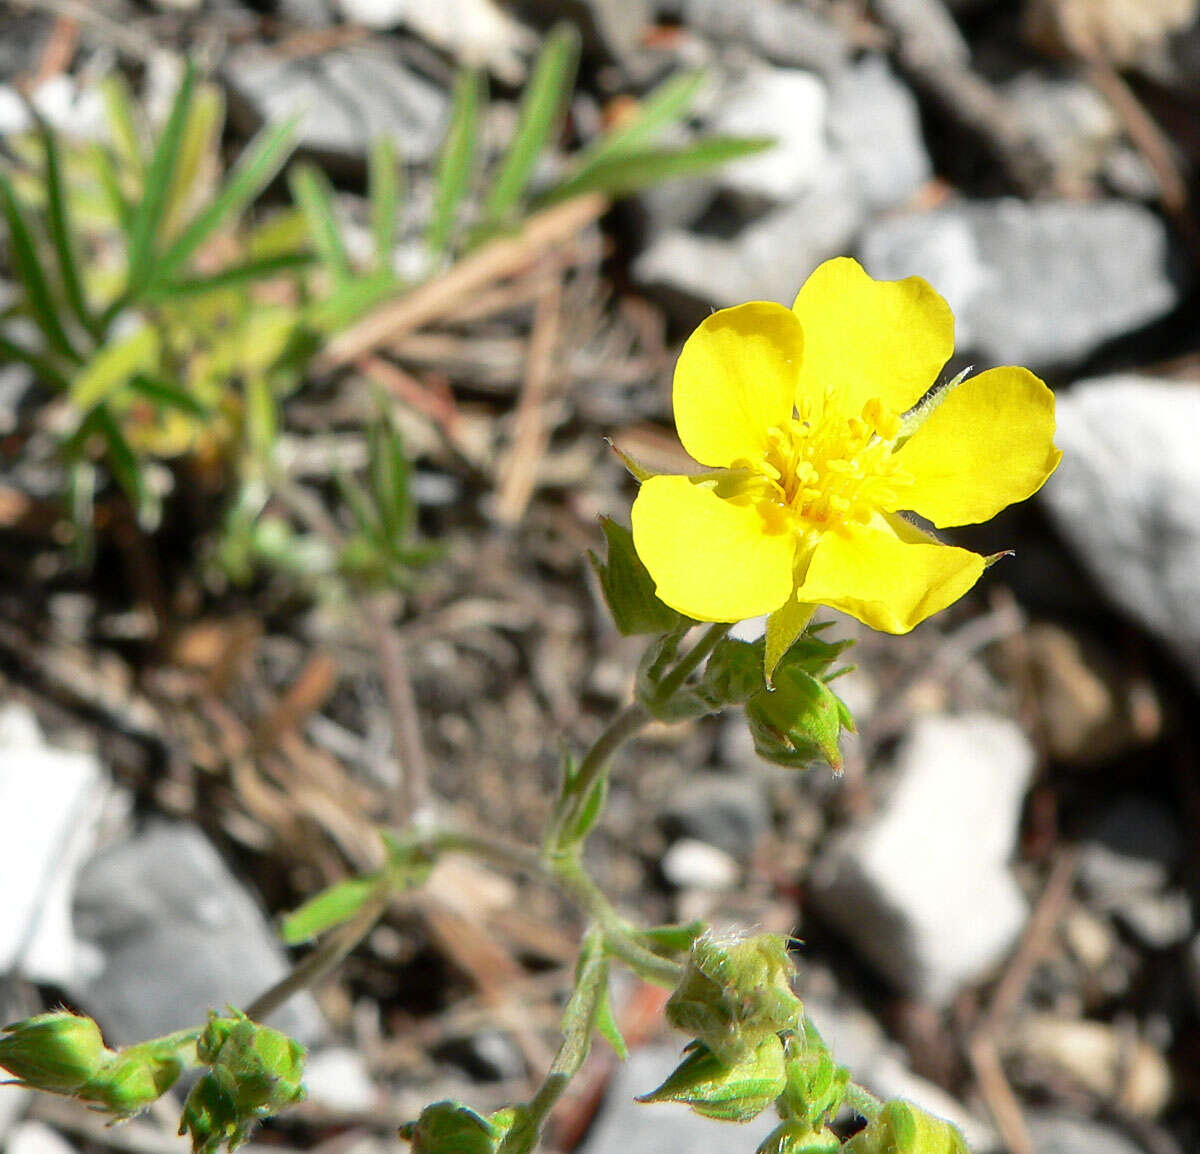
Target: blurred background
x,y
307,358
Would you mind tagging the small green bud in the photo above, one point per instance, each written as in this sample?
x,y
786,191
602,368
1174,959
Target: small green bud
x,y
263,1064
735,993
730,1093
450,1128
799,1138
135,1077
59,1052
903,1128
816,1084
210,1115
798,720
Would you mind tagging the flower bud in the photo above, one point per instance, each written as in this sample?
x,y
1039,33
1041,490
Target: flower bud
x,y
450,1128
59,1052
135,1077
734,994
816,1084
264,1065
902,1128
210,1115
729,1092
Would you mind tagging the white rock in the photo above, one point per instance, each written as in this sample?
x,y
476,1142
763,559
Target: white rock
x,y
37,1138
52,800
784,103
923,888
1127,498
696,865
337,1079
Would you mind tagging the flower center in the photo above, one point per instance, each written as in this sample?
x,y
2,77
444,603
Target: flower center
x,y
831,470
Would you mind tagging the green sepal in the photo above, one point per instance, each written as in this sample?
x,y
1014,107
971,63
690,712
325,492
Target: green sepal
x,y
451,1128
816,1084
59,1052
734,994
676,939
734,672
799,1138
628,588
137,1076
573,821
734,1092
904,1128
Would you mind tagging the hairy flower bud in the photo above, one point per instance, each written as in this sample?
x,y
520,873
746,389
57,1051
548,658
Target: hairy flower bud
x,y
135,1077
730,1092
59,1052
734,994
902,1128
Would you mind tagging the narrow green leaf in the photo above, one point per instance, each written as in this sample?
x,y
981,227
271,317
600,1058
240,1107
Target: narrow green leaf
x,y
457,161
23,252
668,102
351,300
110,182
81,510
113,365
629,172
331,907
59,219
167,395
122,124
201,137
51,376
262,416
388,470
235,276
314,194
358,503
148,214
254,170
124,464
383,191
541,110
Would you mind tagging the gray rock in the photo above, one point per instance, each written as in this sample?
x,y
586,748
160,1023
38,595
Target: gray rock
x,y
1039,284
788,105
337,1079
767,260
783,33
51,799
725,810
1127,499
1125,866
923,888
348,96
874,126
696,865
1064,1134
178,936
1066,119
624,1126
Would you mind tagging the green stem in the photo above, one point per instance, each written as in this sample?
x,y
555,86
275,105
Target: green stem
x,y
691,660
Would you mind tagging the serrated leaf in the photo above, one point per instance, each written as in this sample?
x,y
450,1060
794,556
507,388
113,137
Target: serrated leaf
x,y
331,907
23,252
630,172
628,588
456,164
542,107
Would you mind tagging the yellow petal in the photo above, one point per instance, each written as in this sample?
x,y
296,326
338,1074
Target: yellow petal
x,y
988,444
735,379
889,575
711,558
867,338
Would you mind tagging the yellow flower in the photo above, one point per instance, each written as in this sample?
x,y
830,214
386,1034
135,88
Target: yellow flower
x,y
818,429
